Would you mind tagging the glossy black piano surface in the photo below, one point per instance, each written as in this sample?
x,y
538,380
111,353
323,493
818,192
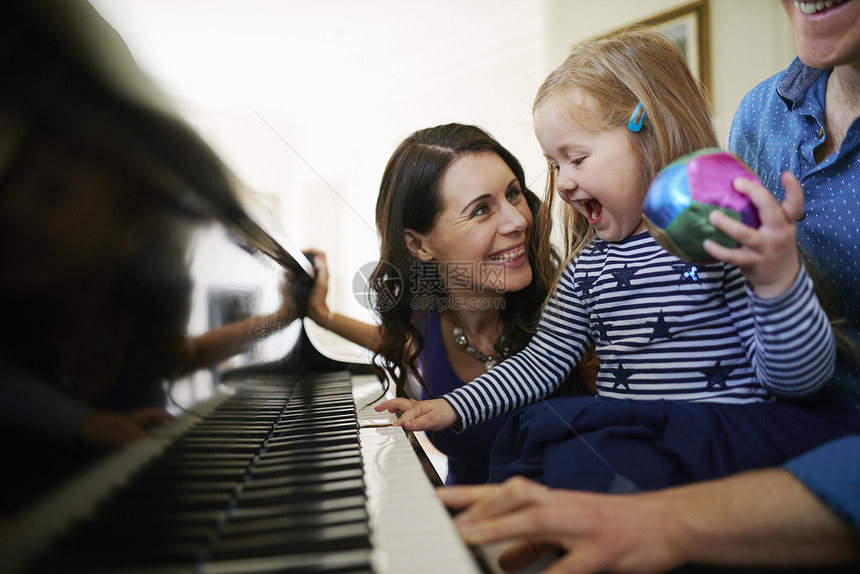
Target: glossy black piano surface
x,y
111,209
272,473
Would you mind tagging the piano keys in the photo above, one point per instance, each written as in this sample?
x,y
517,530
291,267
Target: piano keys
x,y
278,474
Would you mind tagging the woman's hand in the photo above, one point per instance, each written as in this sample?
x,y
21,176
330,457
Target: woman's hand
x,y
601,533
318,310
432,414
286,312
767,256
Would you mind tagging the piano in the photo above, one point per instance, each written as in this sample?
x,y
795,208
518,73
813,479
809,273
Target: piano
x,y
272,474
276,466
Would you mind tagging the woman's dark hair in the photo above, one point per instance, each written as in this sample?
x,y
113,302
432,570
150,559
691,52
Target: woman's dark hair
x,y
410,198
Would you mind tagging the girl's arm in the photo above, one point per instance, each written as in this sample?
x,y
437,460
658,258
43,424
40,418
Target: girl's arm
x,y
560,342
788,335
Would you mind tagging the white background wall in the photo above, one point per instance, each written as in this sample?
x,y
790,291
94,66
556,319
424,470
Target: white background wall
x,y
749,39
306,100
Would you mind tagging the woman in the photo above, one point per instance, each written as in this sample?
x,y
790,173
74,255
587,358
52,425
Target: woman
x,y
465,267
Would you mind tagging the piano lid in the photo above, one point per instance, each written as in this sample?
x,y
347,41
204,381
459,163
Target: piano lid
x,y
67,71
113,263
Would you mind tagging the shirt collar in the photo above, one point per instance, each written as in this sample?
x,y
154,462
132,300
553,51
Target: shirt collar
x,y
796,82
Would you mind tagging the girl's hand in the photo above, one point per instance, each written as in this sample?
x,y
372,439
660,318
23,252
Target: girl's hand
x,y
767,256
433,414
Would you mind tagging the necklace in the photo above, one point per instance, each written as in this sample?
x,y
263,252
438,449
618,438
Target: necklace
x,y
503,350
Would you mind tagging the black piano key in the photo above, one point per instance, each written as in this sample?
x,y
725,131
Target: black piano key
x,y
301,455
297,479
307,465
302,492
311,442
309,519
349,536
272,476
342,562
316,425
253,513
318,452
200,473
212,448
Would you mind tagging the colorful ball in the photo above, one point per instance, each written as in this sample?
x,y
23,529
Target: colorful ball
x,y
684,194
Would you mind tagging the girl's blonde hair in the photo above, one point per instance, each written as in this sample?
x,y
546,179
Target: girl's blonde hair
x,y
614,73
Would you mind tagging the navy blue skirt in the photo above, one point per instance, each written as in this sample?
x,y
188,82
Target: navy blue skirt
x,y
610,445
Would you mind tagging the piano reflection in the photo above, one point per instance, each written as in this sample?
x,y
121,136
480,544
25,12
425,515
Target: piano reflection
x,y
284,467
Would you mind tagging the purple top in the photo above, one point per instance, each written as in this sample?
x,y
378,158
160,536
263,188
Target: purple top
x,y
468,451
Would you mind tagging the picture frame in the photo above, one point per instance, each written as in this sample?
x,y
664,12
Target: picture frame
x,y
688,28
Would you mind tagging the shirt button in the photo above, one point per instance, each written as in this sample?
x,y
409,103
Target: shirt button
x,y
820,133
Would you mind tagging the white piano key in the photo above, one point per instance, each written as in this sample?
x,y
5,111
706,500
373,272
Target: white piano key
x,y
410,525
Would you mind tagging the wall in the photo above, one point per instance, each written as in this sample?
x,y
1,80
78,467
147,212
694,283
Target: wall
x,y
305,101
749,40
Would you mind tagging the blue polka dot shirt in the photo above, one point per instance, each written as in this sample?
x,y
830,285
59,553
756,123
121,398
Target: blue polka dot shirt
x,y
777,128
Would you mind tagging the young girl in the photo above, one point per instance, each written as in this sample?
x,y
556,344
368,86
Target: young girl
x,y
692,357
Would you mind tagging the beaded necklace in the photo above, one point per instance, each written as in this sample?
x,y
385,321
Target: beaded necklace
x,y
502,348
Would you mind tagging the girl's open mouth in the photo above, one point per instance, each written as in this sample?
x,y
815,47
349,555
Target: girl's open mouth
x,y
593,209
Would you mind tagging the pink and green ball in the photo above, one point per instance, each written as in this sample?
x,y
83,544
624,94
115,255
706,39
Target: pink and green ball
x,y
685,192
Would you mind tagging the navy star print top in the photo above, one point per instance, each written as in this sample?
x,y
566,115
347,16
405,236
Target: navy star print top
x,y
663,329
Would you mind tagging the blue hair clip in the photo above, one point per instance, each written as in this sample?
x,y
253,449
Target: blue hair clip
x,y
633,125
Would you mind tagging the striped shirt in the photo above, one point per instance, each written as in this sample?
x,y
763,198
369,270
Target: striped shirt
x,y
663,329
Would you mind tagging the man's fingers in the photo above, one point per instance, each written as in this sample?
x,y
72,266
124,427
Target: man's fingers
x,y
512,495
522,553
457,497
583,561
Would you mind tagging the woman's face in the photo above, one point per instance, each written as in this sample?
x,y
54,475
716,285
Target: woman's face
x,y
481,235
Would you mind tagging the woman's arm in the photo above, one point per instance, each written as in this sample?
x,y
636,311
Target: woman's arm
x,y
358,332
224,342
221,343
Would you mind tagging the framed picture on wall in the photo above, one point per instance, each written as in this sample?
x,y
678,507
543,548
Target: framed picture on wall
x,y
687,26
